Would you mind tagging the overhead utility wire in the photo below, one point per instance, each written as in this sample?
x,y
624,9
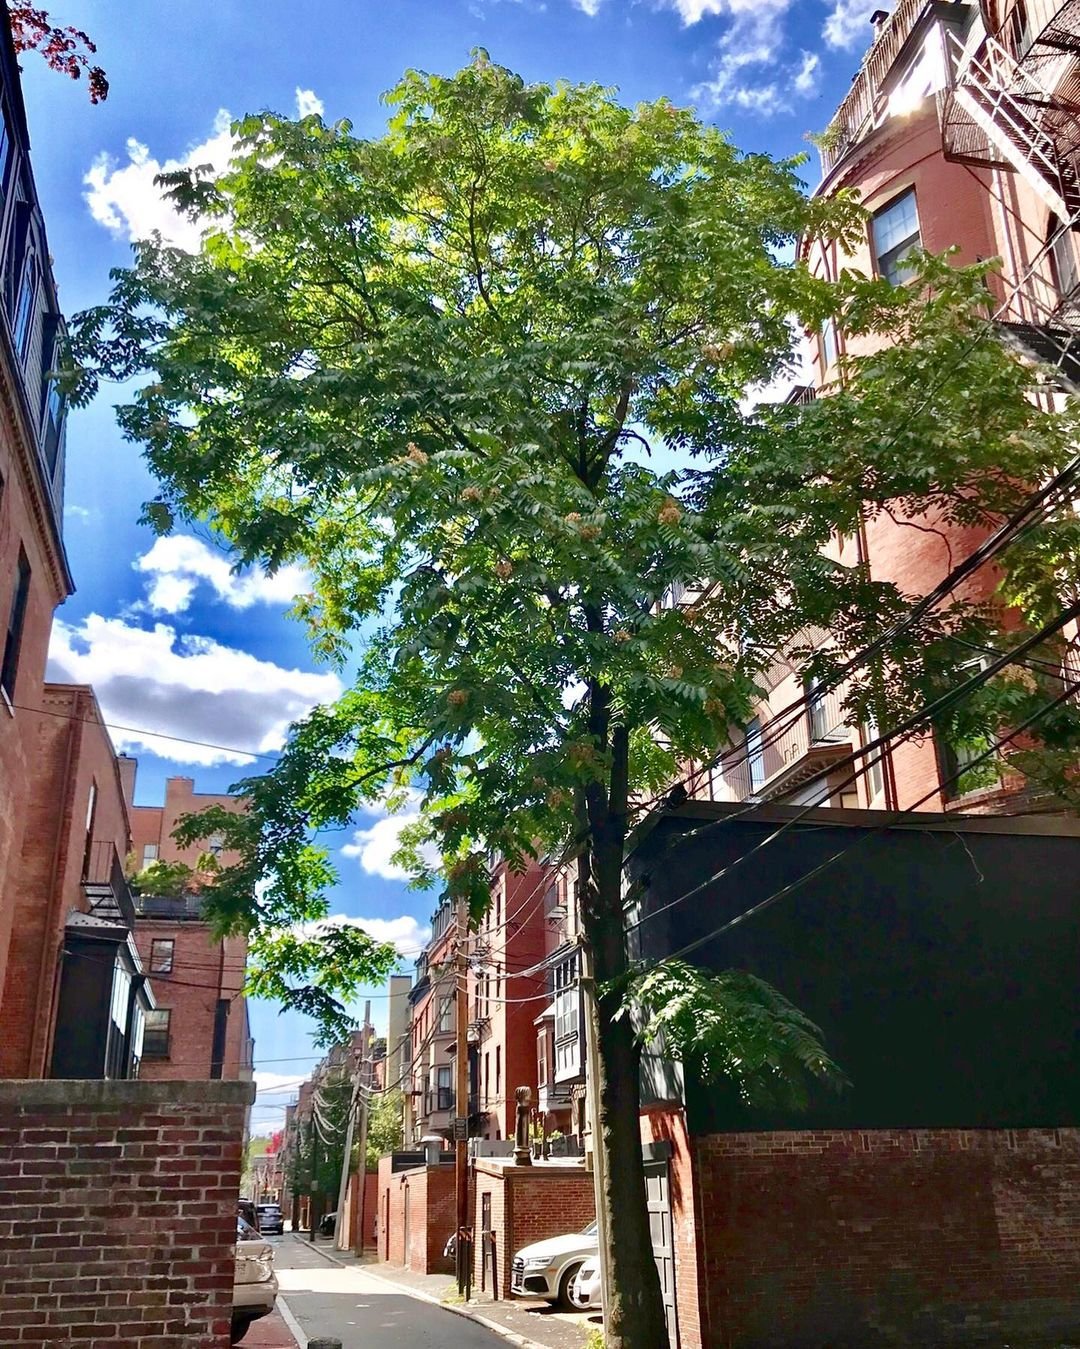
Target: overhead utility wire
x,y
1070,691
909,726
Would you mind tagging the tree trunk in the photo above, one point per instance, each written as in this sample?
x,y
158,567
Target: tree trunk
x,y
634,1318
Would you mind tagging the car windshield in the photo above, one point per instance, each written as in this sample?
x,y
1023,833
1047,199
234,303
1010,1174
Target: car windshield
x,y
269,1208
245,1231
590,1231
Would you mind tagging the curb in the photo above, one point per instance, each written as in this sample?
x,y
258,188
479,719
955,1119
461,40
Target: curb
x,y
291,1324
509,1335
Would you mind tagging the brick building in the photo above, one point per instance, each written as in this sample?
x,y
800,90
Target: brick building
x,y
200,1026
34,575
932,1201
74,995
432,1033
959,131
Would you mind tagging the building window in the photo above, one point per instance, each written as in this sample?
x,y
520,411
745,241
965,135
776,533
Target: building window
x,y
162,950
156,1033
1062,257
24,306
446,1016
215,844
755,754
498,1073
875,777
829,346
896,233
16,618
149,853
5,155
444,1088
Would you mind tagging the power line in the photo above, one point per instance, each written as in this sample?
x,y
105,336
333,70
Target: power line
x,y
142,731
1068,692
909,726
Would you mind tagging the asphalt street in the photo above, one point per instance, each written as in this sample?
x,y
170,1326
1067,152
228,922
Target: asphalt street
x,y
364,1312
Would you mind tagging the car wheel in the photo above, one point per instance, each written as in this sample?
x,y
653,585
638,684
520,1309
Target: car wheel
x,y
567,1298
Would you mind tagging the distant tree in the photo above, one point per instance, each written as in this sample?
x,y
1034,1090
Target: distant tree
x,y
386,1127
65,49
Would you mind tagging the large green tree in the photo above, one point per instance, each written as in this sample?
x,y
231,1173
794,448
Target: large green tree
x,y
486,376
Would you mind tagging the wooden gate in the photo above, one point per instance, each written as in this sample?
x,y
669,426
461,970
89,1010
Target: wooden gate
x,y
658,1195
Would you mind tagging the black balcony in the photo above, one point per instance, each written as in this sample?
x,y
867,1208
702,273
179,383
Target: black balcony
x,y
105,885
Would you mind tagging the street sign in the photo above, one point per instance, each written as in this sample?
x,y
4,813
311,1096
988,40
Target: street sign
x,y
461,1129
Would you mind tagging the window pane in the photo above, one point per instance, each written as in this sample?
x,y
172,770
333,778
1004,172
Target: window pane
x,y
149,853
161,956
896,233
755,754
13,637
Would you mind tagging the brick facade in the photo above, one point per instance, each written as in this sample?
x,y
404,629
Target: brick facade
x,y
417,1214
119,1219
528,1203
856,1239
75,825
207,972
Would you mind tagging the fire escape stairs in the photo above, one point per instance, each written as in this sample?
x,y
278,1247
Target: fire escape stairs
x,y
993,94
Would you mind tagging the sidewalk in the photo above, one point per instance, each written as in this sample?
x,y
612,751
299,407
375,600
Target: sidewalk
x,y
536,1324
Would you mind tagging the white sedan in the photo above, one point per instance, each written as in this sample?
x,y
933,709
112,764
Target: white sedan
x,y
586,1292
549,1269
255,1284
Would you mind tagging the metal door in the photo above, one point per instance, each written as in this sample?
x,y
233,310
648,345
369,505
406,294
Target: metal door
x,y
658,1195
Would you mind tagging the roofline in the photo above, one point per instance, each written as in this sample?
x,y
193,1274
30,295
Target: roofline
x,y
912,821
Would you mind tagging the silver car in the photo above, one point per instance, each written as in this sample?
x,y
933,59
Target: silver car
x,y
255,1284
586,1291
549,1269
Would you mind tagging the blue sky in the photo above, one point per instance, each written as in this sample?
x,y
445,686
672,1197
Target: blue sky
x,y
175,644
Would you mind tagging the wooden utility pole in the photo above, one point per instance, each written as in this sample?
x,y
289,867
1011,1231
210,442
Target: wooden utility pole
x,y
461,1096
361,1164
357,1095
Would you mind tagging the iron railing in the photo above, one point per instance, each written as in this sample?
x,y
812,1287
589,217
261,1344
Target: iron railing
x,y
104,882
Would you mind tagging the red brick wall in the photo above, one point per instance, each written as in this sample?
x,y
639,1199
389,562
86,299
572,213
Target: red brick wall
x,y
509,1043
203,971
428,1193
528,1203
119,1214
72,754
850,1238
23,514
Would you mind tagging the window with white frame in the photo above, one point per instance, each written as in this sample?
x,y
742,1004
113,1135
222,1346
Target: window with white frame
x,y
895,231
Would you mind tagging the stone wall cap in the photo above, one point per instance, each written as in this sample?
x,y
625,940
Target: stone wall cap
x,y
120,1094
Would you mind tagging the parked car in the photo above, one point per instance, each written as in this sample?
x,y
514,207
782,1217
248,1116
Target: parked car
x,y
549,1269
255,1284
586,1291
328,1224
246,1209
271,1218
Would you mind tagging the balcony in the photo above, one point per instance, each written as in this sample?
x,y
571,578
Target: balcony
x,y
866,104
779,758
554,1096
171,908
105,885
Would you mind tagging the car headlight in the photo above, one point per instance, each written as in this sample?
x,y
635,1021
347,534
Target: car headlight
x,y
538,1262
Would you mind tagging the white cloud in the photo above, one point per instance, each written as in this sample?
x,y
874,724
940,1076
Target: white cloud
x,y
808,74
125,199
280,1087
375,846
749,71
848,23
184,686
405,933
308,102
179,563
800,370
589,7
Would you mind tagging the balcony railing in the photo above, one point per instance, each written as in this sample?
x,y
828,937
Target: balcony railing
x,y
864,105
787,753
105,884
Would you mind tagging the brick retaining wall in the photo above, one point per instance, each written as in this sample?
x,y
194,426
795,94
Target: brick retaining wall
x,y
857,1239
118,1218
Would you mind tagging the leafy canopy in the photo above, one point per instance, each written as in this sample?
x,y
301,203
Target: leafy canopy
x,y
486,376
